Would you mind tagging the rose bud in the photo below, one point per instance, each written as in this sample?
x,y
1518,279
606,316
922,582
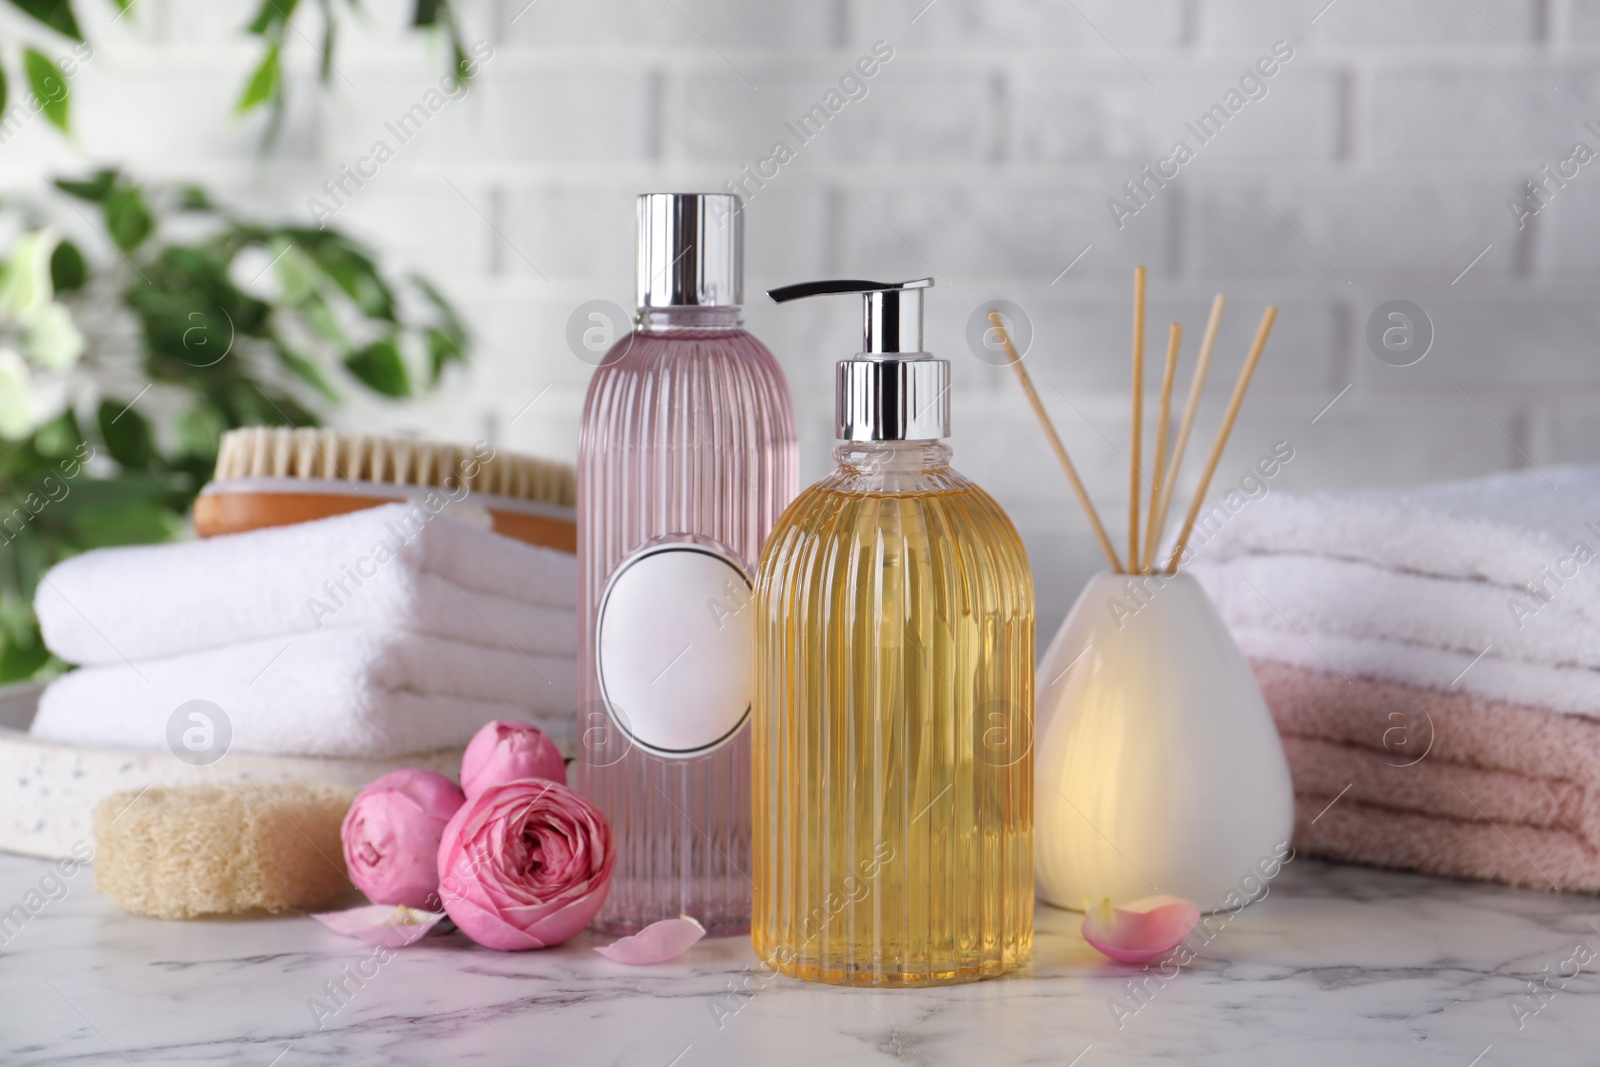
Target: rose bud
x,y
506,751
391,836
525,864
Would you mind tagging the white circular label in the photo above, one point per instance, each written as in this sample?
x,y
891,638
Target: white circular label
x,y
673,649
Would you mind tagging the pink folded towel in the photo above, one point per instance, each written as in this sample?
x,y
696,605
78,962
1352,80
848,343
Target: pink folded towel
x,y
1443,783
1526,856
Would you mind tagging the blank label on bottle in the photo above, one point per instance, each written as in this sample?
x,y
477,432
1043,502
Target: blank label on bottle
x,y
673,649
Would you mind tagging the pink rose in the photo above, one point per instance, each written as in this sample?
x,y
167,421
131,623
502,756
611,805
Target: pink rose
x,y
525,864
505,751
391,836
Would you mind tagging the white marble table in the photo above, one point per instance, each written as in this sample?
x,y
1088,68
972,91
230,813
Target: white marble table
x,y
1338,966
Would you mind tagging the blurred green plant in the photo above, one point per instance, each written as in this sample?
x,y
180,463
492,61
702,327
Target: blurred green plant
x,y
117,378
48,79
274,18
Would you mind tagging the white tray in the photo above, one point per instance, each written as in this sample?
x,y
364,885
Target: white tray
x,y
48,790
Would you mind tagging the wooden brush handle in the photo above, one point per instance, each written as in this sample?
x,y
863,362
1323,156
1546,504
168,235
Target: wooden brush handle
x,y
216,514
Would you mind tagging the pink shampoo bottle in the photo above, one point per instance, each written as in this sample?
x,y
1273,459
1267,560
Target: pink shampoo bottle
x,y
686,458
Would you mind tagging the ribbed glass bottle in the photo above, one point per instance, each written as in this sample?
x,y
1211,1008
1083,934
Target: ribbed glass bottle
x,y
891,728
687,439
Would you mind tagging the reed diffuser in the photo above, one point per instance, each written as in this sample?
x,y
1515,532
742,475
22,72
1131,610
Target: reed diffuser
x,y
1158,767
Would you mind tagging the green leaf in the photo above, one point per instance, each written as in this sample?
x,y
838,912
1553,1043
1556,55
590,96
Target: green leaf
x,y
272,15
59,437
57,14
30,558
319,316
443,350
68,271
51,340
380,367
354,273
448,341
330,34
305,370
4,90
127,217
49,86
426,13
452,323
25,283
127,434
200,428
20,660
263,84
16,397
194,198
94,189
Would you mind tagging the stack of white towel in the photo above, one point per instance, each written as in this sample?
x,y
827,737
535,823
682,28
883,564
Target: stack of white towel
x,y
375,634
1489,586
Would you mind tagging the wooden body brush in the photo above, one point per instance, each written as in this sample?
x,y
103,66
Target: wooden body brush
x,y
277,476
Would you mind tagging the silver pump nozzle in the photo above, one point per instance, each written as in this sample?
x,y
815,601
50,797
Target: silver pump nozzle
x,y
893,391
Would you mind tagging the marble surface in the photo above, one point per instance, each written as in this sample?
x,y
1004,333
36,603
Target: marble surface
x,y
1337,965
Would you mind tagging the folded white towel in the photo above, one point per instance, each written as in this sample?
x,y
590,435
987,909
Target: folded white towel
x,y
398,565
1505,528
1490,585
1360,600
1574,690
345,692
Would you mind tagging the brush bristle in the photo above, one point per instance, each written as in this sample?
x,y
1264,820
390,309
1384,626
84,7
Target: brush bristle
x,y
285,452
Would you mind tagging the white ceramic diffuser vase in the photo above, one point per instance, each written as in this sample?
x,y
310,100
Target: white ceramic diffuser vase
x,y
1158,766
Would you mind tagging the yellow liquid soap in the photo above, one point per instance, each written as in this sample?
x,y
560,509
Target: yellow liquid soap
x,y
892,728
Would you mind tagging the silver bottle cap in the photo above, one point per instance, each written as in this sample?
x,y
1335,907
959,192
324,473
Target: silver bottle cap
x,y
691,250
892,391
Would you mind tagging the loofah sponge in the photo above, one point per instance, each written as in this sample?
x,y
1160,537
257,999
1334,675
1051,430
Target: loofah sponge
x,y
184,851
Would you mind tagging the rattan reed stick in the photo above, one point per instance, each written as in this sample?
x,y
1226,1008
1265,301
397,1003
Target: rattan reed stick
x,y
1055,442
1208,341
1137,418
1262,331
1152,533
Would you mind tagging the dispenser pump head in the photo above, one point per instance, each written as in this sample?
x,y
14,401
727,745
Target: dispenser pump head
x,y
892,390
891,311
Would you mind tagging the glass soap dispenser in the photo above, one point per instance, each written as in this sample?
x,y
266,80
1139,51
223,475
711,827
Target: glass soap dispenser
x,y
891,722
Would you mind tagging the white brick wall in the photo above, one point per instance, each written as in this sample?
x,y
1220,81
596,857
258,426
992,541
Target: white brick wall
x,y
1381,159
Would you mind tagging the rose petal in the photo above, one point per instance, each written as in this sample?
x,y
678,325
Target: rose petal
x,y
381,924
656,943
1141,931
